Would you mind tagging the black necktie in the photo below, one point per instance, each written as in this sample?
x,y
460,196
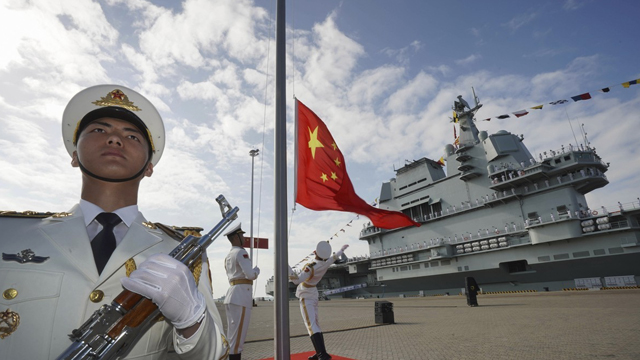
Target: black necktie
x,y
104,243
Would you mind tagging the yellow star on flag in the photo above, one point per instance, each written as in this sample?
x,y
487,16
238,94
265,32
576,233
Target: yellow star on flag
x,y
333,175
314,143
324,177
337,161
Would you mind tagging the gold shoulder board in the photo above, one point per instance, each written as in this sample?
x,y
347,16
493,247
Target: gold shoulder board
x,y
29,214
179,232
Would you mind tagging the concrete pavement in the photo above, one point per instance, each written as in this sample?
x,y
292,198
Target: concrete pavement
x,y
546,325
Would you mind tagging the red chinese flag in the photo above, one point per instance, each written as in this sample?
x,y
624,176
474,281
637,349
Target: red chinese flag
x,y
323,183
258,243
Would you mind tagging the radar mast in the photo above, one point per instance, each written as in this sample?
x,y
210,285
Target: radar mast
x,y
464,114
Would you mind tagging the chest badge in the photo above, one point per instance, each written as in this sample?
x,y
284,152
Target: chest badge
x,y
24,256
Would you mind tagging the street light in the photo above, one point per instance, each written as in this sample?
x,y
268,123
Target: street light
x,y
253,154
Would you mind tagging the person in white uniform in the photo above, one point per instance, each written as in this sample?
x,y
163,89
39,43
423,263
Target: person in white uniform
x,y
56,271
307,292
239,299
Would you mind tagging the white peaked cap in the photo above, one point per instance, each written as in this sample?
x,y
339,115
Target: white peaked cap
x,y
323,250
236,229
118,102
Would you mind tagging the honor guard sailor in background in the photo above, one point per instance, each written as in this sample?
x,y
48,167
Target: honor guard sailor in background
x,y
57,271
239,299
471,290
307,292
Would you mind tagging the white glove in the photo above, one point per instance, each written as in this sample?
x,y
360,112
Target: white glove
x,y
256,270
292,275
344,247
171,286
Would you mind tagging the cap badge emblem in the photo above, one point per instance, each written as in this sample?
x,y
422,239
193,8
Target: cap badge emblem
x,y
116,98
24,256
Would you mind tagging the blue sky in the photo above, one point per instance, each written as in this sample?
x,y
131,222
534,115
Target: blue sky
x,y
383,76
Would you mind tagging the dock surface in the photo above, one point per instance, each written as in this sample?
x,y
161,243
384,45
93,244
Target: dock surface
x,y
601,324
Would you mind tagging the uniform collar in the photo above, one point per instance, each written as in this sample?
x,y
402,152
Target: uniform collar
x,y
90,210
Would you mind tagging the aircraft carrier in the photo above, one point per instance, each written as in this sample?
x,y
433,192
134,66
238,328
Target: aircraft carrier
x,y
509,219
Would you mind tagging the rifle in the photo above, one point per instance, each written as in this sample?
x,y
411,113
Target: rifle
x,y
113,329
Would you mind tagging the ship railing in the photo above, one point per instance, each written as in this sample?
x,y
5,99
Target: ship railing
x,y
501,195
554,217
482,234
508,229
369,229
623,224
543,157
608,210
585,214
512,228
519,187
512,176
393,260
628,206
358,258
546,155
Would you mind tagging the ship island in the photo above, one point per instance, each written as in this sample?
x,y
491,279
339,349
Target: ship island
x,y
512,221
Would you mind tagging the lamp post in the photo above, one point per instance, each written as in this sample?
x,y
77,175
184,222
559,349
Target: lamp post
x,y
253,154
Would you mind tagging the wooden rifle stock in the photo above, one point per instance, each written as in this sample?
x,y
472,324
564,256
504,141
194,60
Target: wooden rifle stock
x,y
138,309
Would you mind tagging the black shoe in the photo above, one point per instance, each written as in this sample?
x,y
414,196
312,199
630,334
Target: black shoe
x,y
318,342
235,356
315,347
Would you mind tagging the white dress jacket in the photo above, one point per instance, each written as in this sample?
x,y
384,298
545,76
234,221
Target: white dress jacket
x,y
53,297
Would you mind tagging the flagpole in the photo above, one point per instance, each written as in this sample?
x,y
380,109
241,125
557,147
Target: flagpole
x,y
282,349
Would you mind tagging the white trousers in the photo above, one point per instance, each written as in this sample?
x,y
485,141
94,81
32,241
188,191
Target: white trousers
x,y
238,318
309,310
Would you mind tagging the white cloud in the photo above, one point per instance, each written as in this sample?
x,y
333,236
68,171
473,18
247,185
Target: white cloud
x,y
520,20
442,69
58,42
202,29
469,59
408,98
329,65
571,5
403,55
372,85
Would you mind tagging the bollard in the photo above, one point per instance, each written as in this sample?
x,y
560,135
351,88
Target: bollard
x,y
384,312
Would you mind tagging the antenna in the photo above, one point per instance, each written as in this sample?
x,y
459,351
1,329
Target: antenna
x,y
571,126
584,137
475,98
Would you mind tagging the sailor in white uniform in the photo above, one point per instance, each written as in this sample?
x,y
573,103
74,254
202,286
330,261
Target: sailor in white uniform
x,y
239,299
56,271
307,292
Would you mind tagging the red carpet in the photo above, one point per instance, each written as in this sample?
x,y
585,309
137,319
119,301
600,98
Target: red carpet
x,y
304,356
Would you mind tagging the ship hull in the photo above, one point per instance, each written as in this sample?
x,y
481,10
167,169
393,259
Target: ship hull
x,y
542,277
552,266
